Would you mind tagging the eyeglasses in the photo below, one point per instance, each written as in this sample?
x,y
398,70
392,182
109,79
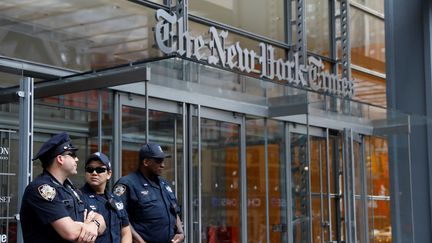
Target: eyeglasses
x,y
71,154
98,170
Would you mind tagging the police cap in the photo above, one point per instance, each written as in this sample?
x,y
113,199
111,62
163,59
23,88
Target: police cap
x,y
152,150
99,157
56,145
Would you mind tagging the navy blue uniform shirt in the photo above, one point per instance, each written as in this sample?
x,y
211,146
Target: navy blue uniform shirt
x,y
111,208
45,200
152,207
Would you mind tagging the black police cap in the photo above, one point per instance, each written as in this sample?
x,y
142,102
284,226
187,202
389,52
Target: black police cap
x,y
99,157
56,145
152,150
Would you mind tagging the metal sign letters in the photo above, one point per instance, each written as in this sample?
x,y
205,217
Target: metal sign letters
x,y
171,38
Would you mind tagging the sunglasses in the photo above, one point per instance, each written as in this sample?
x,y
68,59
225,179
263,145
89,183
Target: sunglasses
x,y
157,161
71,154
98,170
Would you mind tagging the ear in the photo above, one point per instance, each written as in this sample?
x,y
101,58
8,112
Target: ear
x,y
145,162
59,159
109,174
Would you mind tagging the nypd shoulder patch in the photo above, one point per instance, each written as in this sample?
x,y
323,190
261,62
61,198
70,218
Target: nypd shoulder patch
x,y
47,192
119,189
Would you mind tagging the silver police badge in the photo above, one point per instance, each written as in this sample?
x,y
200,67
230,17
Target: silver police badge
x,y
47,192
119,189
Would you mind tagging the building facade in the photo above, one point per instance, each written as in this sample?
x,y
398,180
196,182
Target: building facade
x,y
279,114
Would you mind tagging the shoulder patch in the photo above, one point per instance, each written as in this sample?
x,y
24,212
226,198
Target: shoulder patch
x,y
47,192
119,190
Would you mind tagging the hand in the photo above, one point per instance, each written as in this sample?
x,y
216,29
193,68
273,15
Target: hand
x,y
89,230
178,238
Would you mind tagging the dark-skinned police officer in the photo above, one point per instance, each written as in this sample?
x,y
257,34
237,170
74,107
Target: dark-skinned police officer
x,y
52,210
101,200
149,200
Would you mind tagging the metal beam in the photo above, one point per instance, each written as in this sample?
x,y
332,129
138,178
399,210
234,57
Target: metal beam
x,y
81,82
25,140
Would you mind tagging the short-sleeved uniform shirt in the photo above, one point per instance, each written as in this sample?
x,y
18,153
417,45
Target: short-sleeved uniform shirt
x,y
46,200
152,206
111,208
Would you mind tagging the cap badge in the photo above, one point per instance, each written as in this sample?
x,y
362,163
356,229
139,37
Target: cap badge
x,y
119,189
47,192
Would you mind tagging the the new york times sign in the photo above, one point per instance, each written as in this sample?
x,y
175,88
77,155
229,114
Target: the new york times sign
x,y
171,38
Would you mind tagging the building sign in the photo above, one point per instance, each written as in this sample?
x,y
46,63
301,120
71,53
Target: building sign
x,y
8,188
172,39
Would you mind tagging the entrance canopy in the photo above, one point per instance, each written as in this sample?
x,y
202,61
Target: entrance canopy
x,y
188,81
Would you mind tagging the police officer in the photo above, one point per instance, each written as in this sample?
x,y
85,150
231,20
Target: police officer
x,y
51,209
98,172
149,200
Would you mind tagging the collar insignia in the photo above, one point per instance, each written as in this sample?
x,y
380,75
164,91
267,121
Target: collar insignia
x,y
168,188
119,205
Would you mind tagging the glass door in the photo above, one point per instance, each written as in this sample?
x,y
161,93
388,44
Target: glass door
x,y
219,173
205,169
335,208
165,123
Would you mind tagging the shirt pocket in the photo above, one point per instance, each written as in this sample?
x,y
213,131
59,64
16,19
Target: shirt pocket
x,y
149,207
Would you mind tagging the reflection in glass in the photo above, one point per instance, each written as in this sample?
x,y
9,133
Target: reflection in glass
x,y
262,17
220,181
317,20
377,167
256,181
367,41
300,201
319,175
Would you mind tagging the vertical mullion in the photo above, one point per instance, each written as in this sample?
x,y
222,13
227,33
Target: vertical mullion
x,y
266,179
321,193
288,192
329,222
199,174
364,196
243,182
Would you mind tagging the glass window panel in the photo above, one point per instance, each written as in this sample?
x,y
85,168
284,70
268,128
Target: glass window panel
x,y
380,221
317,21
300,192
369,88
220,181
377,5
256,181
82,35
262,17
377,167
277,182
367,41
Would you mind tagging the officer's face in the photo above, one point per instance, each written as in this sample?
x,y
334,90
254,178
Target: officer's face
x,y
69,162
97,174
155,166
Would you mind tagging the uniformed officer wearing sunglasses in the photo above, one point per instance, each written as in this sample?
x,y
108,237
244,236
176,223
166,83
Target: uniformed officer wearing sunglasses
x,y
52,210
98,172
